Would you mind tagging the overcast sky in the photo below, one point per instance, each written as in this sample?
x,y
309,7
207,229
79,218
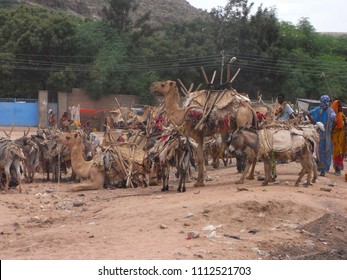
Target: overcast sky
x,y
324,15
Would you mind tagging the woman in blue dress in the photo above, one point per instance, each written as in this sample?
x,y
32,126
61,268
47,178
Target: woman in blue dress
x,y
326,115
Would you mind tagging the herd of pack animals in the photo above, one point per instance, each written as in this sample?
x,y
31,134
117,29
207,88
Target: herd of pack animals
x,y
183,133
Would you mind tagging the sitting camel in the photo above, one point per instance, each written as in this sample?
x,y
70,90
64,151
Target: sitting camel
x,y
92,169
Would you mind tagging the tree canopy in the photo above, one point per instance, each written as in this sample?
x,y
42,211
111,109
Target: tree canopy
x,y
43,49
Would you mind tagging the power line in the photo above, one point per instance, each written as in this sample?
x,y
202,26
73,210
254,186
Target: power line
x,y
249,62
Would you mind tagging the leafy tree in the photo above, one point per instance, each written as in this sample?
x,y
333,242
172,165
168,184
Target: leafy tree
x,y
231,25
7,3
253,40
36,42
42,49
179,50
312,64
118,14
104,51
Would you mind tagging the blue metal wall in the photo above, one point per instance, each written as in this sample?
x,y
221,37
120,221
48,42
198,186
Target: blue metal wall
x,y
19,113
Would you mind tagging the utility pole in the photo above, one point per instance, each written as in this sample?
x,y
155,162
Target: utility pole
x,y
222,68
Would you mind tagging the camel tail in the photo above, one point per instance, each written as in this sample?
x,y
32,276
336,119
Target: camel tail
x,y
254,119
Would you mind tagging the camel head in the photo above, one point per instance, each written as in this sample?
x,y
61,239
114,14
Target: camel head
x,y
70,139
163,88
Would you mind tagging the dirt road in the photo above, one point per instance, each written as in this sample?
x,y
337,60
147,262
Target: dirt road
x,y
219,221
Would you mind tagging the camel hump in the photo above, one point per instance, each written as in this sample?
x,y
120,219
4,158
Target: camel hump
x,y
224,98
231,96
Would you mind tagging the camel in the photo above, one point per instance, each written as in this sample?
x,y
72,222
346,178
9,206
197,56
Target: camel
x,y
92,169
231,111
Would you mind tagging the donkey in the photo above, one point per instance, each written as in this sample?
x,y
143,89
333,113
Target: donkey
x,y
173,150
31,152
277,144
11,156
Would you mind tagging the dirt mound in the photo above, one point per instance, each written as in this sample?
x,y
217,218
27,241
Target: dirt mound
x,y
262,214
324,239
328,225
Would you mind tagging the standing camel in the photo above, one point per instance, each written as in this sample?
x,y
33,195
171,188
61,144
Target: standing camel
x,y
223,116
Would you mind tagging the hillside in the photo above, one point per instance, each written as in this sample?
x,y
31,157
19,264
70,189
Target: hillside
x,y
161,10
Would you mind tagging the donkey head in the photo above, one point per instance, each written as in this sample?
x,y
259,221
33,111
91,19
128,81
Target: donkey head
x,y
244,136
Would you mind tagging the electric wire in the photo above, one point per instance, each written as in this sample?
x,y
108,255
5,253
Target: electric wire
x,y
255,63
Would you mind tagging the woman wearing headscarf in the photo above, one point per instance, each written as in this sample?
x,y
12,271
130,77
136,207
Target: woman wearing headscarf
x,y
325,114
338,137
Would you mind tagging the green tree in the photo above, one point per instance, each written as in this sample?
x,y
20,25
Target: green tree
x,y
36,42
253,40
118,14
231,25
105,53
312,63
179,50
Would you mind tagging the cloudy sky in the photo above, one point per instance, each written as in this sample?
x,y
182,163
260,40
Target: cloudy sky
x,y
324,15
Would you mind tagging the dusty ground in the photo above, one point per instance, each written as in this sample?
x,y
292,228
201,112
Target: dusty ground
x,y
279,221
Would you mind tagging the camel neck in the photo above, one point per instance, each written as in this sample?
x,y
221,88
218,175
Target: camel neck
x,y
173,110
77,152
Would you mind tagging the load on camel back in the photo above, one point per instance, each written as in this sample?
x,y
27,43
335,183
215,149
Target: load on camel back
x,y
205,113
117,165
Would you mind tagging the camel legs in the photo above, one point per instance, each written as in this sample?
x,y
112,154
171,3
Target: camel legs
x,y
201,165
98,179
